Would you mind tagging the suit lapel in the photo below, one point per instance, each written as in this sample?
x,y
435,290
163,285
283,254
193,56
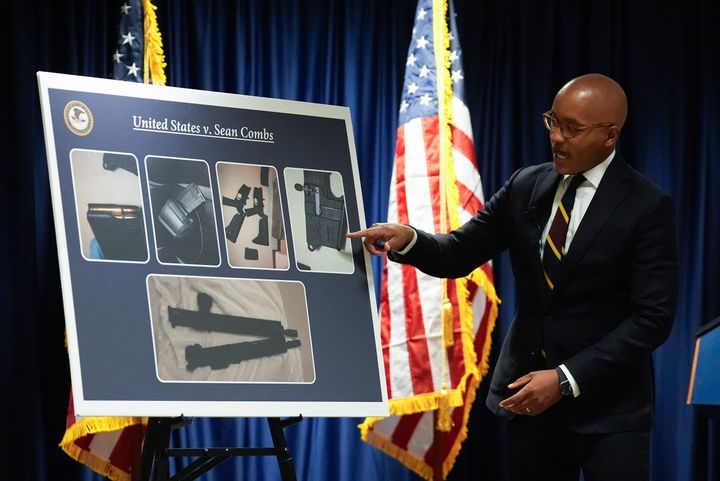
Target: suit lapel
x,y
612,189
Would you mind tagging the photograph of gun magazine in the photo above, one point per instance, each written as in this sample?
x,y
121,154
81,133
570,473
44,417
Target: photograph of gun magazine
x,y
109,206
119,230
183,211
220,357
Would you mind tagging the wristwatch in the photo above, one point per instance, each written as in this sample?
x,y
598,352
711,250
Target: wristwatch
x,y
565,386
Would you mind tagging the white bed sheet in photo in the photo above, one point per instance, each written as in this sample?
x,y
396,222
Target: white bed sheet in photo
x,y
246,298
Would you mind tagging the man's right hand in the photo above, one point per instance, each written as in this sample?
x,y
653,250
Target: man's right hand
x,y
382,238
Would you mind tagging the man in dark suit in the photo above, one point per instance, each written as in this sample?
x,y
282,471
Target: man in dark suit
x,y
593,250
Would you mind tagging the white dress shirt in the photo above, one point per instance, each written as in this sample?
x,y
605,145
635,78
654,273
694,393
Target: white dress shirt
x,y
584,194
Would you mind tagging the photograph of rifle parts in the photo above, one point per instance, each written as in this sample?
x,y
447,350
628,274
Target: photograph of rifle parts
x,y
258,208
325,220
222,356
211,322
277,233
233,229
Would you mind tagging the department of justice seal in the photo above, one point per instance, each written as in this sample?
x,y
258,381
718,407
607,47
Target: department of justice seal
x,y
78,118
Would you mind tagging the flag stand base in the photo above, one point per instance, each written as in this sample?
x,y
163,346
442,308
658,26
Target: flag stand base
x,y
154,465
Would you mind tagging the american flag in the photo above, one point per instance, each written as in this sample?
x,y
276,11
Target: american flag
x,y
128,57
112,446
139,55
435,333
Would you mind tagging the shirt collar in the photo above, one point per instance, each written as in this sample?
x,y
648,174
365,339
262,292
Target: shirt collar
x,y
595,175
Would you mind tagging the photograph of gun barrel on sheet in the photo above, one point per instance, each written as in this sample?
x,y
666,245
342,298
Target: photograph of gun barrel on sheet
x,y
109,206
318,217
252,215
183,211
233,330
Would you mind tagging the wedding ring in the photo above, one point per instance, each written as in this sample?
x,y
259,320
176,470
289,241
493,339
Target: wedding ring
x,y
527,410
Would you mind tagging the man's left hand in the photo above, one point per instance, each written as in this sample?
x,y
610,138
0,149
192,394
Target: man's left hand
x,y
540,390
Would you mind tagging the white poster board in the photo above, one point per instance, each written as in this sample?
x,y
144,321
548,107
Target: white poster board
x,y
202,250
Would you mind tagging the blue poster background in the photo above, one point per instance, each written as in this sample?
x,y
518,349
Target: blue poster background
x,y
110,299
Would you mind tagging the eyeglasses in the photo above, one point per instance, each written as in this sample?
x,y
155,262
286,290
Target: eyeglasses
x,y
568,130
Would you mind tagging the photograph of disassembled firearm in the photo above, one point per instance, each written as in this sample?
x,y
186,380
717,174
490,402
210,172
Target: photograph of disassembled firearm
x,y
253,187
272,336
258,208
325,219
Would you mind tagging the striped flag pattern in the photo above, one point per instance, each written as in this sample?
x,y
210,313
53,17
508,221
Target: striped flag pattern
x,y
435,333
112,446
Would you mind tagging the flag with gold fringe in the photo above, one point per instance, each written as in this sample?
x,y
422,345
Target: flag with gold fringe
x,y
435,332
112,446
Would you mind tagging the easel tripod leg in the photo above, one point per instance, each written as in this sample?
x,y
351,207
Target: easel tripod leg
x,y
285,461
154,464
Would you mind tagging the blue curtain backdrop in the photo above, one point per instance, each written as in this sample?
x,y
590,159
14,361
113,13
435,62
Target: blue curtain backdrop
x,y
352,52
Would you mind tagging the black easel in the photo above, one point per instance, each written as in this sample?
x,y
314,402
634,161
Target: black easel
x,y
156,451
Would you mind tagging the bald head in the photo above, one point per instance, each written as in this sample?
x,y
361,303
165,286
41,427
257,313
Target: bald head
x,y
597,107
602,98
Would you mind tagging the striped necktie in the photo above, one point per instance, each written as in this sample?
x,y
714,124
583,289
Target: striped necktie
x,y
554,250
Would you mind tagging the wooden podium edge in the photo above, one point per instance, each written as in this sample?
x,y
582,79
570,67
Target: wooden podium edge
x,y
692,373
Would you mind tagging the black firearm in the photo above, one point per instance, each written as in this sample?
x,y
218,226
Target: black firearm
x,y
220,357
258,208
276,231
113,162
241,198
211,322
